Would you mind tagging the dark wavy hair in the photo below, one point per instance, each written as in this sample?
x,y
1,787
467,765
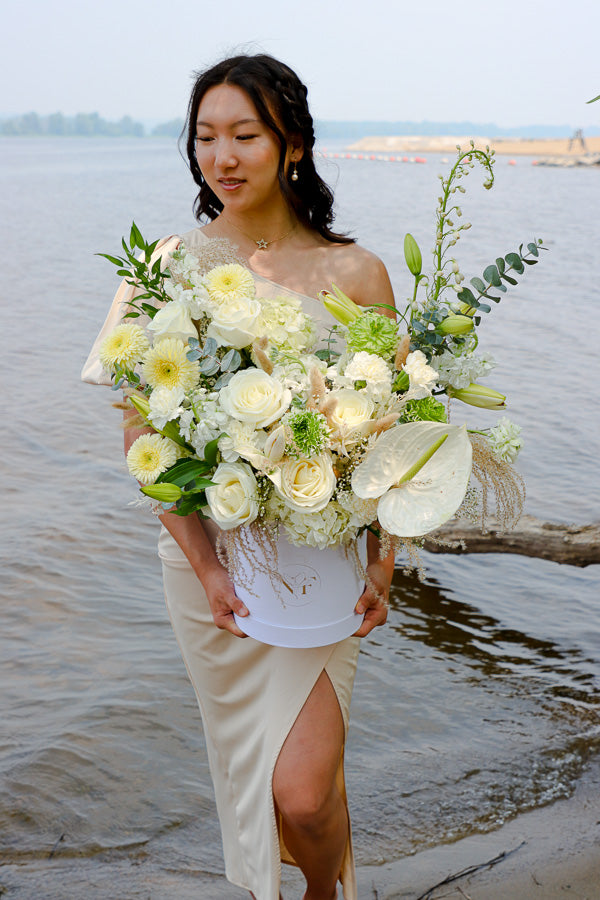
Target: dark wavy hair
x,y
280,100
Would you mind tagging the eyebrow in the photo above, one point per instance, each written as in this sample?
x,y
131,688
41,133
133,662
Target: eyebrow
x,y
233,124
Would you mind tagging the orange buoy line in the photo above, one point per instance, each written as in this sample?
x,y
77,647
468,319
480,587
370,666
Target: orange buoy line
x,y
379,157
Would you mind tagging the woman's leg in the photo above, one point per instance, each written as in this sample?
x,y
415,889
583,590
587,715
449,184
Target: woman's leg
x,y
315,821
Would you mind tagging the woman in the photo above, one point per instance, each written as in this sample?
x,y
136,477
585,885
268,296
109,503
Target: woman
x,y
275,719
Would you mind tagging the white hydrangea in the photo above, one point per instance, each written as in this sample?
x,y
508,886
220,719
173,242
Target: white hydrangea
x,y
460,371
284,324
196,299
324,529
361,512
505,439
204,422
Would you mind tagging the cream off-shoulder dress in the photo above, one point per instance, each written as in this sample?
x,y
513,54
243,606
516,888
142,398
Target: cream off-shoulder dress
x,y
249,693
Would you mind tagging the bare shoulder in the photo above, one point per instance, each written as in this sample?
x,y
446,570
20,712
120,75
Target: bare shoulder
x,y
362,275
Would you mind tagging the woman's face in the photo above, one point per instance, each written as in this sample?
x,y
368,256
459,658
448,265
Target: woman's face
x,y
237,153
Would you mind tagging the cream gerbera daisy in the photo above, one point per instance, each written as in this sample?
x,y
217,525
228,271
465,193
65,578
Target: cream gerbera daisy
x,y
166,366
125,345
229,282
149,456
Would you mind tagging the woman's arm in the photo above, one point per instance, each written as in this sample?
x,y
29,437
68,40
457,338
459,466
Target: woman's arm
x,y
189,533
374,600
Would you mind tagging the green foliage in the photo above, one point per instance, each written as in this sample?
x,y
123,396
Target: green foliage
x,y
135,269
428,409
495,274
212,360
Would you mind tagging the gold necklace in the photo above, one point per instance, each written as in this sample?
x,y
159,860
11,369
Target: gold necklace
x,y
261,243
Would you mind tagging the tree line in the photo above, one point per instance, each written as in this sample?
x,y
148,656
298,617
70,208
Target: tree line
x,y
82,125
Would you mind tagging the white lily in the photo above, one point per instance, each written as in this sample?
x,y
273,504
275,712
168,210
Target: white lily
x,y
420,472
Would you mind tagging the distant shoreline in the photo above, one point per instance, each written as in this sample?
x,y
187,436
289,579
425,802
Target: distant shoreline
x,y
541,147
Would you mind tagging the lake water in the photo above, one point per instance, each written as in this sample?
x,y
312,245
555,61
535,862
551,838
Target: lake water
x,y
477,701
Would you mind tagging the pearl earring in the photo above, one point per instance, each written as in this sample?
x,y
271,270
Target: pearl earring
x,y
295,173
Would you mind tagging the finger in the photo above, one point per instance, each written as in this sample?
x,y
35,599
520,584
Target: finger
x,y
372,619
226,622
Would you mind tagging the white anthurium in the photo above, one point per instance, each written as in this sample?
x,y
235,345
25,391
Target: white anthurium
x,y
420,472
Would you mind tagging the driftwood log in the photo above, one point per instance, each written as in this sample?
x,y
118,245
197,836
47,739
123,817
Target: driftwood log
x,y
576,545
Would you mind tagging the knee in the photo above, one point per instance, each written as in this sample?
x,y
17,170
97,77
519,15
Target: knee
x,y
305,807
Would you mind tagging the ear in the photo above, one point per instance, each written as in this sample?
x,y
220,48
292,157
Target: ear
x,y
295,148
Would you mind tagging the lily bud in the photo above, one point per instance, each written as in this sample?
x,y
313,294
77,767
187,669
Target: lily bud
x,y
164,492
478,395
340,305
412,255
275,444
455,325
141,403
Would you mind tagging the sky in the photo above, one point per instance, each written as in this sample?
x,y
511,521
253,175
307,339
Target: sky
x,y
511,62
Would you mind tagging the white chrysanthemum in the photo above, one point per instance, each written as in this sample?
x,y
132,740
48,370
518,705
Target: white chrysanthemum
x,y
423,377
165,405
505,439
166,365
461,371
229,282
151,455
125,346
368,367
242,440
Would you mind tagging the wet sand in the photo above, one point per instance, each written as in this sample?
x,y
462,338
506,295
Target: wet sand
x,y
537,147
550,853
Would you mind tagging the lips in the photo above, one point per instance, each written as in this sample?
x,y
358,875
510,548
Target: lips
x,y
230,184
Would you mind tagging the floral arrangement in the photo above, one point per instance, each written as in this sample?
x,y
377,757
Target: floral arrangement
x,y
256,422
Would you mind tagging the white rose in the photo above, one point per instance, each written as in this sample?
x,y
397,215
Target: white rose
x,y
305,485
173,321
254,397
422,377
233,321
352,410
233,499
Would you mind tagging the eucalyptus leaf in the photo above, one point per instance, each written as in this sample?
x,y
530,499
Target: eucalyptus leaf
x,y
231,361
478,285
209,365
193,355
223,380
210,347
514,260
500,264
533,249
484,307
510,279
491,275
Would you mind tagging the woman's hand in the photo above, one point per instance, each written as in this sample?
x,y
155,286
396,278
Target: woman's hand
x,y
373,601
223,601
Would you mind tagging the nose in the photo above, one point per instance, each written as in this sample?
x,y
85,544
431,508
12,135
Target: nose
x,y
225,157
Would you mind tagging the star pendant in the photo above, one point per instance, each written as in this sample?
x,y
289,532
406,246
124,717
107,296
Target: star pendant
x,y
262,245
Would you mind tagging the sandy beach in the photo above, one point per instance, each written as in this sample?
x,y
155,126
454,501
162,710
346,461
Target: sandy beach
x,y
536,147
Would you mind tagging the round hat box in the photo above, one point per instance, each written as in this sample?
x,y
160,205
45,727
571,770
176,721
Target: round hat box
x,y
311,604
